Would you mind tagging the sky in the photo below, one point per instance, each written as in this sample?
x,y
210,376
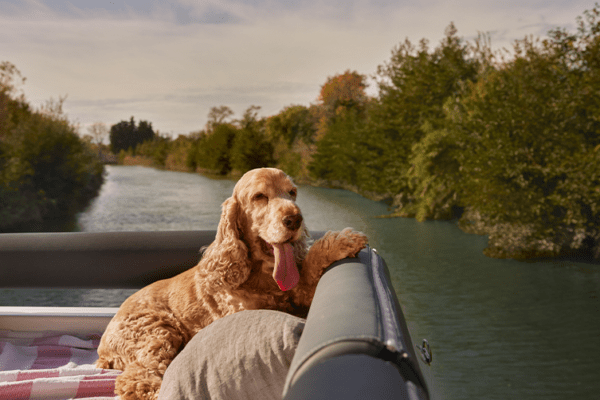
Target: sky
x,y
169,62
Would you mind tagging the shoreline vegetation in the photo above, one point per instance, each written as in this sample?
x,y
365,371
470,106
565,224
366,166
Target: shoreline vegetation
x,y
47,172
506,143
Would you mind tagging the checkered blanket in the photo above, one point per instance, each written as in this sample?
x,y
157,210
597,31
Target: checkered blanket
x,y
50,365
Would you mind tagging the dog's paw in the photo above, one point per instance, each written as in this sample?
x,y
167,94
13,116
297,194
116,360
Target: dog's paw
x,y
346,243
138,383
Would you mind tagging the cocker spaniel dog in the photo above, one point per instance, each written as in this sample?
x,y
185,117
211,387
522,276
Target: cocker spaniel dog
x,y
259,260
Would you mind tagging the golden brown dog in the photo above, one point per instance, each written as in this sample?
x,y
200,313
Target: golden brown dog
x,y
259,260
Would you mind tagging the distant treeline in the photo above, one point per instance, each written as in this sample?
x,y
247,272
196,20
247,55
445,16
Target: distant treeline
x,y
47,172
508,142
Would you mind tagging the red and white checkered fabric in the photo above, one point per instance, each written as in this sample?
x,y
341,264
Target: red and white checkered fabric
x,y
50,365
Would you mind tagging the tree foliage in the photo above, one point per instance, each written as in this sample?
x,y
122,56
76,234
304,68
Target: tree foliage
x,y
251,149
47,172
345,91
213,151
291,124
231,146
127,135
341,110
413,87
337,156
529,131
292,133
218,116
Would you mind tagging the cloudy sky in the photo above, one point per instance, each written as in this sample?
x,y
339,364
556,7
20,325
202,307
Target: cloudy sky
x,y
168,62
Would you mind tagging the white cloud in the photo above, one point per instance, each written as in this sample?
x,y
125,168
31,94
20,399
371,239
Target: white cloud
x,y
169,62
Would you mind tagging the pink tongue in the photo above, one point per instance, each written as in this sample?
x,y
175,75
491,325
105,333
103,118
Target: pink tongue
x,y
285,272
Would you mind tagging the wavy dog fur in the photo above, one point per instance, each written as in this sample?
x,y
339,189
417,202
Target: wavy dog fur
x,y
236,273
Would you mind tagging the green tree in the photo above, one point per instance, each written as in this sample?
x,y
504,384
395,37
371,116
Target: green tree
x,y
342,106
251,149
434,169
156,149
337,156
145,132
178,153
413,87
212,152
529,131
292,132
13,107
46,171
292,123
126,135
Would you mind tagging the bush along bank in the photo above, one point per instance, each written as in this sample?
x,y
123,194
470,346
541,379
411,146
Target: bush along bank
x,y
47,172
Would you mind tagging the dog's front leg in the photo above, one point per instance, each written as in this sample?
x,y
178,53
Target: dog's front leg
x,y
333,246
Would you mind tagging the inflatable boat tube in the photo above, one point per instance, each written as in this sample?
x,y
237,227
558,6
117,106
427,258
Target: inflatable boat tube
x,y
355,343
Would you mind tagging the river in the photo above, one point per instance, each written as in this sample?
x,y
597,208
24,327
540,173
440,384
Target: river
x,y
498,328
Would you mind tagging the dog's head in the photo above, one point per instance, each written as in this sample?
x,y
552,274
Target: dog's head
x,y
262,215
267,206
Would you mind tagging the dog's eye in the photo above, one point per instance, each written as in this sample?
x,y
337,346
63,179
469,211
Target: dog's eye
x,y
259,196
293,192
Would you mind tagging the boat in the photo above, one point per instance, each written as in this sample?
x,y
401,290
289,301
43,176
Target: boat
x,y
355,343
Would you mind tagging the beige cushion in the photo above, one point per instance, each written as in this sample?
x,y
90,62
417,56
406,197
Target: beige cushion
x,y
245,355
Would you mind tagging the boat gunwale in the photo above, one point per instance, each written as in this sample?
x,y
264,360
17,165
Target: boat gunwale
x,y
76,320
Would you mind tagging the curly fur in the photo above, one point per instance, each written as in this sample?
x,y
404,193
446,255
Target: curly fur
x,y
153,325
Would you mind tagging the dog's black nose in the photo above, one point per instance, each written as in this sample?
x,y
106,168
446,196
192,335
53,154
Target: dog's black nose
x,y
292,222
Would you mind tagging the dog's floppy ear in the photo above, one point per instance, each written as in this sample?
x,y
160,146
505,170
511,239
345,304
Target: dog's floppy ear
x,y
225,263
229,229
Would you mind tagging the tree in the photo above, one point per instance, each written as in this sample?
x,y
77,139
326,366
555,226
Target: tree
x,y
520,123
10,80
46,171
251,149
122,136
434,169
291,133
340,92
217,116
144,132
127,135
341,112
413,86
98,131
528,130
337,154
344,90
13,107
212,151
292,123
